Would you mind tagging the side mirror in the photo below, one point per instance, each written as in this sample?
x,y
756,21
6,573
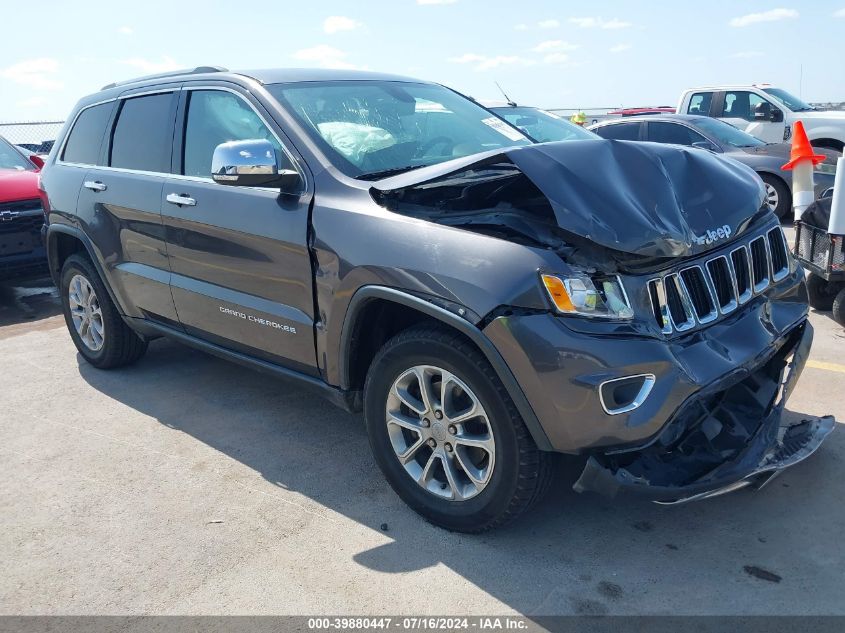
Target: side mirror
x,y
36,160
777,115
705,145
250,163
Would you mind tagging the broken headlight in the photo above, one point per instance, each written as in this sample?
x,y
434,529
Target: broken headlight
x,y
585,295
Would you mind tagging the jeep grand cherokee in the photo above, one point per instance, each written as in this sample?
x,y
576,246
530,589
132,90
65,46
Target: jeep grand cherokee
x,y
484,300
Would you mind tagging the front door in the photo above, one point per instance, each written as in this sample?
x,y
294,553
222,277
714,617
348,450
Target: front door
x,y
241,271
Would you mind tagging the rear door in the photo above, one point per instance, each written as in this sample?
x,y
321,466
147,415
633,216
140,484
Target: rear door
x,y
120,202
700,103
80,150
239,255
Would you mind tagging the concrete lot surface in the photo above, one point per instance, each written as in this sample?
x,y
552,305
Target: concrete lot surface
x,y
188,485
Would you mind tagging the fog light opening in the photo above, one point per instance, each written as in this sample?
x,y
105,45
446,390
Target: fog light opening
x,y
625,394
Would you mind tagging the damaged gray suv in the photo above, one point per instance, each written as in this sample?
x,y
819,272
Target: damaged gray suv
x,y
486,301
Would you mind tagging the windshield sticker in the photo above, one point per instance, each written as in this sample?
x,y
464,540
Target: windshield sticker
x,y
504,129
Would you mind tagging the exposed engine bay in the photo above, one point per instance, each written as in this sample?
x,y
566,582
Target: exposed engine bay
x,y
729,435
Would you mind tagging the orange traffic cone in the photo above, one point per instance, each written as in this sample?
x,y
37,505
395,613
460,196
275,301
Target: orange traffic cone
x,y
802,160
801,148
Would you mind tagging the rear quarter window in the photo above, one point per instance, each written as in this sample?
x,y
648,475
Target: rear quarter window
x,y
86,136
699,103
143,133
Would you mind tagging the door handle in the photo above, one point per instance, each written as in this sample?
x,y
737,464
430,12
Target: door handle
x,y
94,185
181,199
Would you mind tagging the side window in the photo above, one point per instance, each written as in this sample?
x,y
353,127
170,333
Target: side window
x,y
84,140
620,131
663,132
699,103
215,117
741,104
143,133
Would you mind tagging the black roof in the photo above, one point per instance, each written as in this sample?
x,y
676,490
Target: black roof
x,y
284,75
264,76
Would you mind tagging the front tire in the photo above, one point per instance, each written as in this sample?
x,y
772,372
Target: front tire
x,y
446,434
839,307
820,293
95,325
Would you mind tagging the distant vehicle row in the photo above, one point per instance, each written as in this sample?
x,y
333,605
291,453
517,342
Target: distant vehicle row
x,y
766,112
692,131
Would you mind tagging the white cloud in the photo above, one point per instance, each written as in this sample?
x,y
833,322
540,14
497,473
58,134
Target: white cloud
x,y
325,56
32,102
554,45
766,16
556,58
436,1
150,66
839,14
746,54
125,30
548,24
467,58
36,73
521,27
600,23
483,62
620,48
335,23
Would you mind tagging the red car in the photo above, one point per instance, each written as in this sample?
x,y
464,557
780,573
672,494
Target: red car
x,y
641,111
22,252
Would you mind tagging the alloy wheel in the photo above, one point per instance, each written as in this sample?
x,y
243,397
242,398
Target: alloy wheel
x,y
772,197
86,313
440,433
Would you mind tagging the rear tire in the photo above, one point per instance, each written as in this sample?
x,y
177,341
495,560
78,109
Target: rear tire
x,y
820,293
446,479
777,195
95,325
839,307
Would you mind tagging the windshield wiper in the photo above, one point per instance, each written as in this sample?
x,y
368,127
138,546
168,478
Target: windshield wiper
x,y
384,173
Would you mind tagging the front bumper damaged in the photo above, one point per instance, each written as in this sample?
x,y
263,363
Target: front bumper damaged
x,y
730,435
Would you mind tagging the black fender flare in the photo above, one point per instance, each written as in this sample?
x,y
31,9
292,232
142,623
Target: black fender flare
x,y
55,269
367,293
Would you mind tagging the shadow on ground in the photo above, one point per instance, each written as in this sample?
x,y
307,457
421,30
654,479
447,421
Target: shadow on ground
x,y
573,554
30,300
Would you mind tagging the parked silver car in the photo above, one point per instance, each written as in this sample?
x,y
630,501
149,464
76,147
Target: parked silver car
x,y
720,137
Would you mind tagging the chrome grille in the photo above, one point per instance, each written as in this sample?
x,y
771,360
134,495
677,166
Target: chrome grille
x,y
742,273
699,294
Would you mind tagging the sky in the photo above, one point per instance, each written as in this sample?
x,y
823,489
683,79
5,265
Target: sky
x,y
551,54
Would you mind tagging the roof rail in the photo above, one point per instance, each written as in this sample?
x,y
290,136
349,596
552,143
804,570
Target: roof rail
x,y
173,73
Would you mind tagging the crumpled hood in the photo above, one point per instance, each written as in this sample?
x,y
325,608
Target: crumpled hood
x,y
647,199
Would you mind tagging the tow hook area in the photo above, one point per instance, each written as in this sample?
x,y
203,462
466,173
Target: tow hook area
x,y
730,436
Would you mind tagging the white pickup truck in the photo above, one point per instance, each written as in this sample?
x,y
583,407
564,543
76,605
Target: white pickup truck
x,y
766,112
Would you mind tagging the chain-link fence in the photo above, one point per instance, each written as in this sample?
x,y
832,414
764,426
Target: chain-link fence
x,y
36,136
